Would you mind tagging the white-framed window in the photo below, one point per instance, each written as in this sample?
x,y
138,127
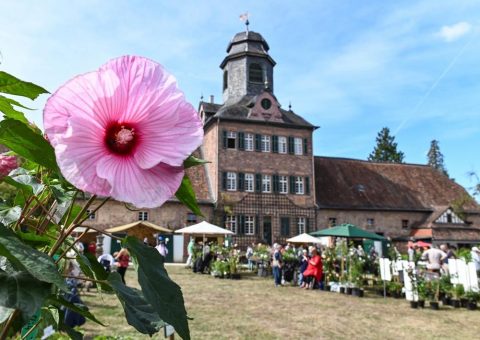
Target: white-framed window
x,y
249,141
283,183
299,185
90,214
282,144
231,181
249,225
143,215
231,223
301,225
266,183
265,145
249,182
191,218
231,139
297,142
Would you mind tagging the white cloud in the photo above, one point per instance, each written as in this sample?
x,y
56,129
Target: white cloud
x,y
454,32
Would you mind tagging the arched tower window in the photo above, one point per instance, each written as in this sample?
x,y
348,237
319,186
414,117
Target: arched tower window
x,y
225,80
255,73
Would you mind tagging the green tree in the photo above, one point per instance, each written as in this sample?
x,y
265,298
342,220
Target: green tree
x,y
435,157
386,149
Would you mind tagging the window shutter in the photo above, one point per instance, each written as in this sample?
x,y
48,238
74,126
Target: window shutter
x,y
241,181
225,221
287,229
305,146
224,181
307,225
225,139
291,145
258,182
258,142
292,184
274,143
285,226
307,185
256,227
241,230
276,184
241,141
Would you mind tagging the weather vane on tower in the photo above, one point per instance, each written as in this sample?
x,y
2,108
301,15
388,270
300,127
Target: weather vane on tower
x,y
244,18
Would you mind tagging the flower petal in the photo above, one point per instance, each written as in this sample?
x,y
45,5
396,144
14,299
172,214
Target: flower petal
x,y
143,188
170,145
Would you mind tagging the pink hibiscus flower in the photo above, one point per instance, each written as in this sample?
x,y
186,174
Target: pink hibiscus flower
x,y
123,131
7,164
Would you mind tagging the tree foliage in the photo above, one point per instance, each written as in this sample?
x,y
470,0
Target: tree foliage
x,y
435,157
386,149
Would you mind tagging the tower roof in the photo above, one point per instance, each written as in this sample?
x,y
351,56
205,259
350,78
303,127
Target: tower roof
x,y
247,43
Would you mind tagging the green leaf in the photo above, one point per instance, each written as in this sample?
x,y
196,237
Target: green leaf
x,y
94,270
193,161
21,179
12,85
77,308
38,264
73,334
138,312
20,138
186,195
7,106
35,240
164,295
9,215
22,291
5,313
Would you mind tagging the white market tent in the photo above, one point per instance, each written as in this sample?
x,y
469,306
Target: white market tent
x,y
204,228
306,238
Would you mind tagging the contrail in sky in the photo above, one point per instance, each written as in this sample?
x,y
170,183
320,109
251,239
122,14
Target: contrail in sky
x,y
434,85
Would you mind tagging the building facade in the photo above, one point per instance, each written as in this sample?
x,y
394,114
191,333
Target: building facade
x,y
264,183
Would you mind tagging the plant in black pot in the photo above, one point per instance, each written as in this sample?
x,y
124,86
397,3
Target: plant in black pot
x,y
356,275
473,298
395,289
410,272
458,291
433,290
445,290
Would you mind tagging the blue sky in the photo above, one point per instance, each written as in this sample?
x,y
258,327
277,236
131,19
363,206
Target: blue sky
x,y
350,67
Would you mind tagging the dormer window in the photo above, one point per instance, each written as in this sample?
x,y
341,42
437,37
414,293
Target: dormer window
x,y
225,80
255,73
266,103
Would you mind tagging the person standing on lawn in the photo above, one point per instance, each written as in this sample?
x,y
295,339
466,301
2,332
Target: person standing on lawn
x,y
190,248
277,264
249,255
162,248
123,259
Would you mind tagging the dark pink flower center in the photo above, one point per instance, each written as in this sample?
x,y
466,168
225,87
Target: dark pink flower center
x,y
121,138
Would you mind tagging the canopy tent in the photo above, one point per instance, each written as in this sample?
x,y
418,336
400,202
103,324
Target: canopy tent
x,y
204,228
423,244
305,238
348,231
141,230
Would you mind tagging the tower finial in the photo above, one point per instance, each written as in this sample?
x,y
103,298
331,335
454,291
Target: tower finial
x,y
290,106
244,18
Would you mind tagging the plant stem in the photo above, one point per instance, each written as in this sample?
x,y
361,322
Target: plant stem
x,y
71,245
8,324
84,279
31,329
71,226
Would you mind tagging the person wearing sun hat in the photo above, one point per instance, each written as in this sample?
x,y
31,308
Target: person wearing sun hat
x,y
476,258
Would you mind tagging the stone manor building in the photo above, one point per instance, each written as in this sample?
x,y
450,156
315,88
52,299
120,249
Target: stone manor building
x,y
264,183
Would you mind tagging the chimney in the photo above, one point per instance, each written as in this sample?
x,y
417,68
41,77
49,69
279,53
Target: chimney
x,y
211,99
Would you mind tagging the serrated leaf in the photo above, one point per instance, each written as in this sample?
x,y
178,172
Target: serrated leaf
x,y
38,264
138,312
22,291
19,138
22,179
60,301
12,85
94,270
186,195
159,290
193,161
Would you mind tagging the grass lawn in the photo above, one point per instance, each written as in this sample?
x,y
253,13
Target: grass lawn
x,y
252,308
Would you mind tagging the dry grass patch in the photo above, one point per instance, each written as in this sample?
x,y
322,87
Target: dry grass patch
x,y
252,308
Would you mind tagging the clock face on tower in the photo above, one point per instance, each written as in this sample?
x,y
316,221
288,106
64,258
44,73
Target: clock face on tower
x,y
266,103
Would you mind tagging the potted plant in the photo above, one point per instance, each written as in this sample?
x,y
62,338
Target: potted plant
x,y
233,267
395,289
433,288
473,298
422,291
445,290
329,273
413,279
458,291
